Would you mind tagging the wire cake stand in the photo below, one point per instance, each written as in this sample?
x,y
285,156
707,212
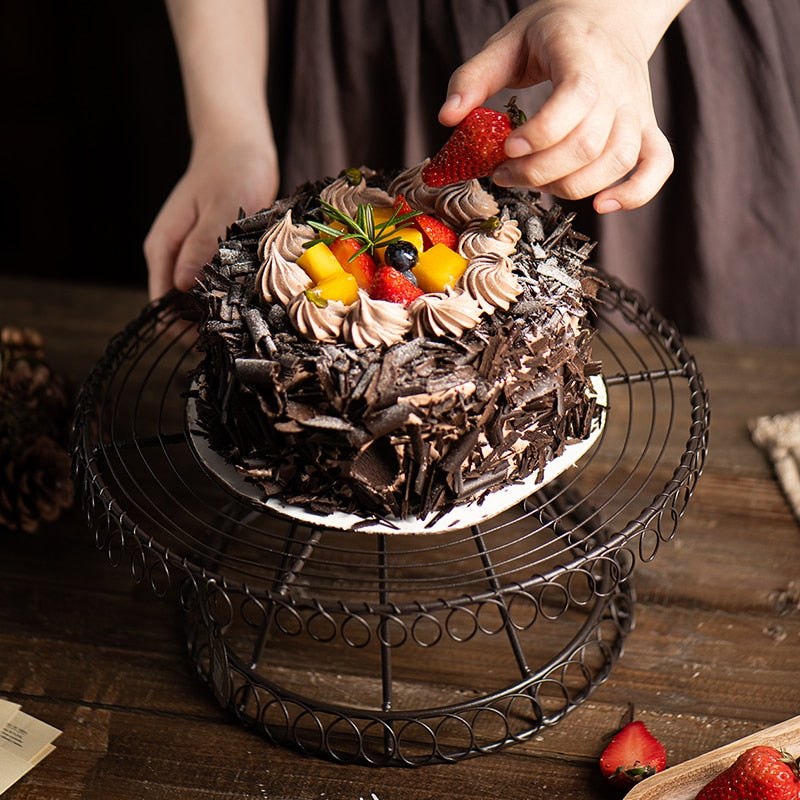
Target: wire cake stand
x,y
324,639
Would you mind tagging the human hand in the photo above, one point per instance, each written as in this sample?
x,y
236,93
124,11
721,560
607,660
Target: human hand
x,y
221,178
596,134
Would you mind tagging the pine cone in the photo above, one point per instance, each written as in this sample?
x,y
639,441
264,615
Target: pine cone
x,y
36,486
35,412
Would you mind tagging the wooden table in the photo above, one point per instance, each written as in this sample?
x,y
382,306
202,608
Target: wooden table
x,y
714,654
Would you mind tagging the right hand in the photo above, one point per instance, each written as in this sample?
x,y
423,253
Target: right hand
x,y
220,180
597,133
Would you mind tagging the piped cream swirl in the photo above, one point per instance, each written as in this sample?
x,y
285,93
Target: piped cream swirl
x,y
456,204
315,323
476,240
370,323
460,203
439,313
343,195
279,248
418,194
489,280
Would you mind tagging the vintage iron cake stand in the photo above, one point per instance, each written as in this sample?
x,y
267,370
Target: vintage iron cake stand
x,y
323,639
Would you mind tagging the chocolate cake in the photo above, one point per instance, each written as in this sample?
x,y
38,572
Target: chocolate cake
x,y
405,408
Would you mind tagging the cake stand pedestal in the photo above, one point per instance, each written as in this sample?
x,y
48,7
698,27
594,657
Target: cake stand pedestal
x,y
324,639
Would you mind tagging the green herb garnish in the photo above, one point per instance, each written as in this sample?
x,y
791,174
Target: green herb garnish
x,y
362,228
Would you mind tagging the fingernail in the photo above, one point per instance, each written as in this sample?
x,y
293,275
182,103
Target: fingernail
x,y
502,176
517,146
452,102
607,206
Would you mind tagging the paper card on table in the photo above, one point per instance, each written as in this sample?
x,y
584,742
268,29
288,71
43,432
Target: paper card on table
x,y
12,768
26,737
7,710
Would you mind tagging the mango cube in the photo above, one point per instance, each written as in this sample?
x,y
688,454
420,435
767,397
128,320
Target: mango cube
x,y
381,214
438,268
320,263
343,287
407,234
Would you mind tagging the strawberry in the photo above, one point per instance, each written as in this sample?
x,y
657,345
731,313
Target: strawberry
x,y
475,148
389,284
759,772
360,265
632,755
433,230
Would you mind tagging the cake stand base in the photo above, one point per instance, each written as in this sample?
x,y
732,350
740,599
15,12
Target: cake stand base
x,y
265,662
328,640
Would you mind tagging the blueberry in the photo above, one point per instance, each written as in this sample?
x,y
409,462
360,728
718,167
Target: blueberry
x,y
401,255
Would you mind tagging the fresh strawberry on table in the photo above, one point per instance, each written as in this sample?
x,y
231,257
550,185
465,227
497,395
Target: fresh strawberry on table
x,y
390,284
632,755
759,773
476,146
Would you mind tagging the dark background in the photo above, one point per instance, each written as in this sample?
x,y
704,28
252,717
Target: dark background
x,y
93,135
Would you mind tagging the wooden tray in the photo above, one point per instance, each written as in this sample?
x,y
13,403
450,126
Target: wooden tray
x,y
684,781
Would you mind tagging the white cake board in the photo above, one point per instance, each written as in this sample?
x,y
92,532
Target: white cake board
x,y
459,517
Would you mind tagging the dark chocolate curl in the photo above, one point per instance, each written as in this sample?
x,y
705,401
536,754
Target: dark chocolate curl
x,y
260,333
387,420
256,370
458,454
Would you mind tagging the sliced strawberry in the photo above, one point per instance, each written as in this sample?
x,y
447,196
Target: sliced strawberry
x,y
475,148
389,284
632,755
361,267
433,230
401,205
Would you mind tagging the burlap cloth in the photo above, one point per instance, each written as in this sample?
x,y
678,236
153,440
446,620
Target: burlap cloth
x,y
779,437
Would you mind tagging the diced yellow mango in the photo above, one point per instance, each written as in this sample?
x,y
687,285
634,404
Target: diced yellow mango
x,y
438,268
342,287
409,235
320,263
381,214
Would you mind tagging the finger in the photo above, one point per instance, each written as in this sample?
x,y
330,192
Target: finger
x,y
477,79
655,165
581,147
617,159
197,250
571,102
161,248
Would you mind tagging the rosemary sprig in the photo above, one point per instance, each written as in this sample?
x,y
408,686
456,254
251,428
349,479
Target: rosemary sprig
x,y
362,227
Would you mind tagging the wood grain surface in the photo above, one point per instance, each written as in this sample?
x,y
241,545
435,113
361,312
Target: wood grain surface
x,y
712,659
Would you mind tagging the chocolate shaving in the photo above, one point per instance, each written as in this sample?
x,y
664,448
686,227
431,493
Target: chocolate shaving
x,y
456,456
387,420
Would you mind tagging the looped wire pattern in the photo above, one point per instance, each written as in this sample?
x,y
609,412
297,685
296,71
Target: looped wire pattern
x,y
320,639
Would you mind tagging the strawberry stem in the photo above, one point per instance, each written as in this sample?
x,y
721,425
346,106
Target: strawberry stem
x,y
636,774
515,114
